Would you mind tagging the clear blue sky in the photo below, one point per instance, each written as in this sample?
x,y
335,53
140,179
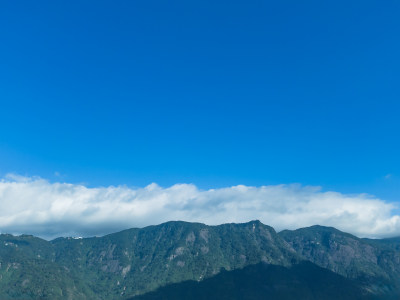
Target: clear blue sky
x,y
214,93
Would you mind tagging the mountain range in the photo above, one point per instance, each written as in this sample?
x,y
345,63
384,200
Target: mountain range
x,y
181,260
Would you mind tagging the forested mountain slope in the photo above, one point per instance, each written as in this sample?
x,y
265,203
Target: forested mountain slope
x,y
136,261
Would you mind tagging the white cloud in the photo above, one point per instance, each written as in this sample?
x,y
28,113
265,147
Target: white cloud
x,y
36,206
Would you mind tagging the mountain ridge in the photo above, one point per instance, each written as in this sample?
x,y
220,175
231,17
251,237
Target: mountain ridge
x,y
140,260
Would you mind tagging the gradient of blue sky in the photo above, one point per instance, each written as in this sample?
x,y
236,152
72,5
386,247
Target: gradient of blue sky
x,y
214,93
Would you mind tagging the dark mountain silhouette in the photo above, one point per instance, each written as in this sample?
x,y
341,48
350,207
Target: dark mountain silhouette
x,y
263,281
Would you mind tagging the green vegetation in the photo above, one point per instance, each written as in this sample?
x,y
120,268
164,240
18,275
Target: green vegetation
x,y
137,261
263,281
375,263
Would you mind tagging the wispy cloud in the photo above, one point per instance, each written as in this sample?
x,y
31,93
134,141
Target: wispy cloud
x,y
37,206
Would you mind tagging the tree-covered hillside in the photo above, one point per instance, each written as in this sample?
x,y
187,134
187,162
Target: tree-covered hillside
x,y
262,281
136,261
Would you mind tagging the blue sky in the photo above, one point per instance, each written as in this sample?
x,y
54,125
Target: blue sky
x,y
214,93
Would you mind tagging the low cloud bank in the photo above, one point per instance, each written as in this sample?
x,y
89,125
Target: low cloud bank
x,y
36,206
